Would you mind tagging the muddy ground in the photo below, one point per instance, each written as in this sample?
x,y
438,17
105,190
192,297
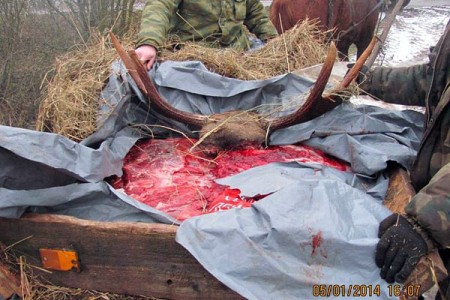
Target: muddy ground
x,y
415,30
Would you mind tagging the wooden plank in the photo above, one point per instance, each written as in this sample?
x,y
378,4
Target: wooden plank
x,y
400,190
124,258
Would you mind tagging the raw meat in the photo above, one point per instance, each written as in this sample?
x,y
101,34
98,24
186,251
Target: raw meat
x,y
165,174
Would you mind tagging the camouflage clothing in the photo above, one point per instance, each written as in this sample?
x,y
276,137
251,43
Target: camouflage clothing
x,y
425,85
220,23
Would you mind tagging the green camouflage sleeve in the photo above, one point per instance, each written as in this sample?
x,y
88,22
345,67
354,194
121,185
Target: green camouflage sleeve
x,y
431,207
258,22
155,22
403,85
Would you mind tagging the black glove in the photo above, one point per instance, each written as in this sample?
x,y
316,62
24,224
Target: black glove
x,y
399,249
362,73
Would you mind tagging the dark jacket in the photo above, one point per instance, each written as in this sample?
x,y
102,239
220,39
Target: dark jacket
x,y
425,85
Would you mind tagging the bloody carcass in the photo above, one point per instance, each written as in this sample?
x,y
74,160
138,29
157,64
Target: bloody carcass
x,y
167,175
173,177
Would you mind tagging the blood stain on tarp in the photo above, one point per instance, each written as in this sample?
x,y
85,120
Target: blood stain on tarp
x,y
316,242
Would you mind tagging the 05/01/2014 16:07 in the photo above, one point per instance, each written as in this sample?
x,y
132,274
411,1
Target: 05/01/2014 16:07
x,y
363,290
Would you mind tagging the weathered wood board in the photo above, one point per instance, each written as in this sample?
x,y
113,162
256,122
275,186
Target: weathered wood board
x,y
124,258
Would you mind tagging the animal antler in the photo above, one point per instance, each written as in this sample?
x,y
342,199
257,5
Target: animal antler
x,y
241,127
315,104
139,74
354,71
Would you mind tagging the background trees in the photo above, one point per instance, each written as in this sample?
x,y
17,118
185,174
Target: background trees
x,y
103,15
33,33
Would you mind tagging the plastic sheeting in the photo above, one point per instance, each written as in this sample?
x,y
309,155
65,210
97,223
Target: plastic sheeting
x,y
315,229
268,251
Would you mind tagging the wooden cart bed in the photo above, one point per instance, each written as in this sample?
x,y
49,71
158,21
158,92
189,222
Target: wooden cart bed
x,y
129,258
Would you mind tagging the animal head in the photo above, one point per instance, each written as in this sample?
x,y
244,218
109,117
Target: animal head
x,y
234,128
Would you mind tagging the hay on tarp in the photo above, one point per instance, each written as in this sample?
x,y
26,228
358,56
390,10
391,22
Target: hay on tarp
x,y
72,96
72,100
302,46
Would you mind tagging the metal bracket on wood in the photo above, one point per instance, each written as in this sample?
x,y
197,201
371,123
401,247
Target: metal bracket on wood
x,y
60,259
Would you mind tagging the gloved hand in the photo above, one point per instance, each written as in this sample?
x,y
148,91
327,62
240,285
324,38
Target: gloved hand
x,y
399,249
362,73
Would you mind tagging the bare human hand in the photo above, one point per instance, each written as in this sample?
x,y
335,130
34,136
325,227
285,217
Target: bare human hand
x,y
147,55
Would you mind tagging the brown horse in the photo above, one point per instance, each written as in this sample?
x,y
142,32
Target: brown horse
x,y
352,21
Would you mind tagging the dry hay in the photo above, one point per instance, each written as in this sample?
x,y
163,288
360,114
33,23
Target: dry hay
x,y
302,46
72,96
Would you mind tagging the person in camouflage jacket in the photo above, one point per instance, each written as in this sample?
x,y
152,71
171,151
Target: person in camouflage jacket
x,y
220,23
426,224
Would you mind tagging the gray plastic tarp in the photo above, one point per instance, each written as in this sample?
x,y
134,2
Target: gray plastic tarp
x,y
315,228
262,252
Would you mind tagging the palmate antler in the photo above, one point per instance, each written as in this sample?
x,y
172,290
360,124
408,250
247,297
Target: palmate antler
x,y
235,127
